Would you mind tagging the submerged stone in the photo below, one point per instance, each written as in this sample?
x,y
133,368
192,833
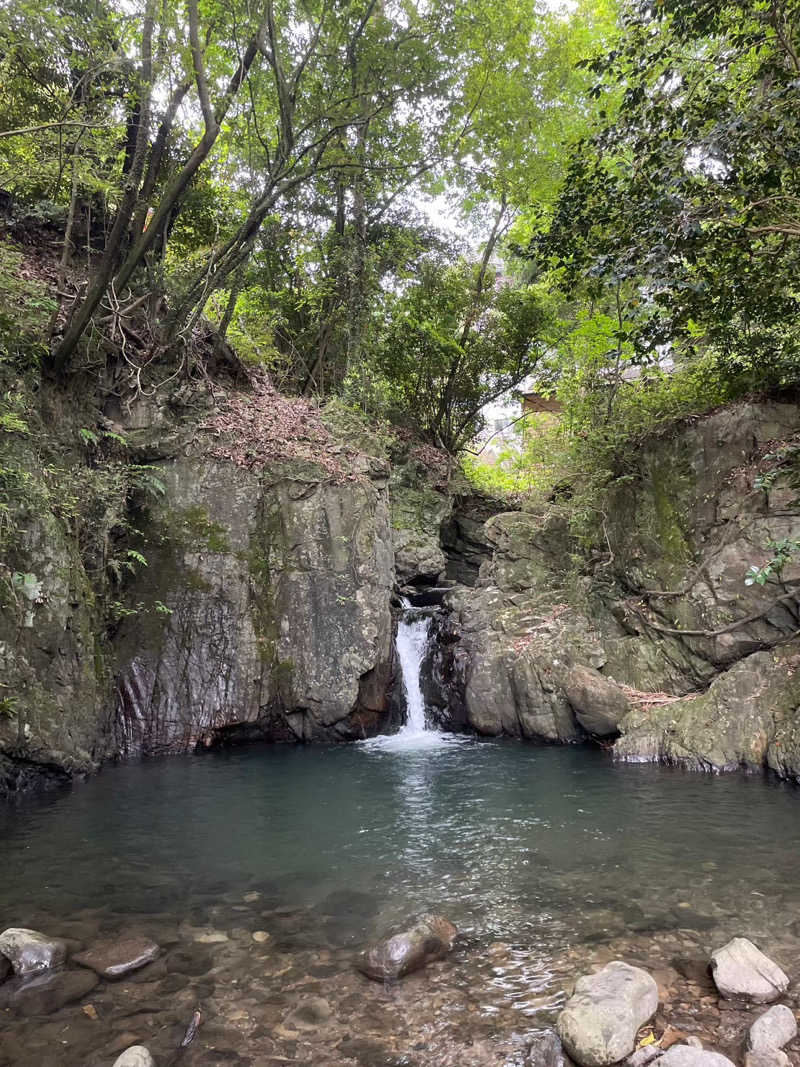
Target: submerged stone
x,y
47,993
113,959
29,952
742,970
599,1023
429,939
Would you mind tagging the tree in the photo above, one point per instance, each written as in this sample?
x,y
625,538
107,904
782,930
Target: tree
x,y
690,191
455,340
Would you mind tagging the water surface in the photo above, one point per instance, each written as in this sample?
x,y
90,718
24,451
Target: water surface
x,y
538,851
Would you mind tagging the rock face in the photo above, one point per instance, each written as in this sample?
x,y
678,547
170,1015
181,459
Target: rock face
x,y
30,952
263,610
774,1029
113,959
599,1023
276,619
429,939
540,649
54,724
742,970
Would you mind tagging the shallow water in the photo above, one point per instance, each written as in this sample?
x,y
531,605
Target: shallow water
x,y
538,855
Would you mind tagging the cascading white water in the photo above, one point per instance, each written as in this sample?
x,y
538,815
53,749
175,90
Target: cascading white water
x,y
413,629
412,640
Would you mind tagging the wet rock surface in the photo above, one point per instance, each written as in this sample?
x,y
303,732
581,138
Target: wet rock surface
x,y
30,952
599,1023
742,970
486,1004
46,993
113,959
429,939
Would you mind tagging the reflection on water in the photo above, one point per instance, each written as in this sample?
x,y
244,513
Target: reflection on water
x,y
513,840
530,851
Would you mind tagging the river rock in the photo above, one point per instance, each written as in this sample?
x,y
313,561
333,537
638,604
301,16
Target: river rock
x,y
774,1029
430,938
48,992
687,1056
135,1056
113,959
742,970
642,1056
767,1057
599,1023
29,952
599,704
545,1051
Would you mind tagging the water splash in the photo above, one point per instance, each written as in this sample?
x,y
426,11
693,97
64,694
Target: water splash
x,y
413,630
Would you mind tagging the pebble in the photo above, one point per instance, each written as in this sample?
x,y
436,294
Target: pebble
x,y
260,936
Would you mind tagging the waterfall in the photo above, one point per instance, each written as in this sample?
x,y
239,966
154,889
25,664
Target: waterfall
x,y
412,640
413,629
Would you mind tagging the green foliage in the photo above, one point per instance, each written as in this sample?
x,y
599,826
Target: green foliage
x,y
26,305
783,551
687,193
454,341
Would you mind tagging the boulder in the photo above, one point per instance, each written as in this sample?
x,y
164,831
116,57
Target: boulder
x,y
742,970
113,959
599,1023
29,952
599,704
430,938
48,992
135,1056
687,1056
774,1029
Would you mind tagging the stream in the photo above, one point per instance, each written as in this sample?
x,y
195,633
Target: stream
x,y
544,858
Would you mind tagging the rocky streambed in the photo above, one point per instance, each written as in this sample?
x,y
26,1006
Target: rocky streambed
x,y
215,994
